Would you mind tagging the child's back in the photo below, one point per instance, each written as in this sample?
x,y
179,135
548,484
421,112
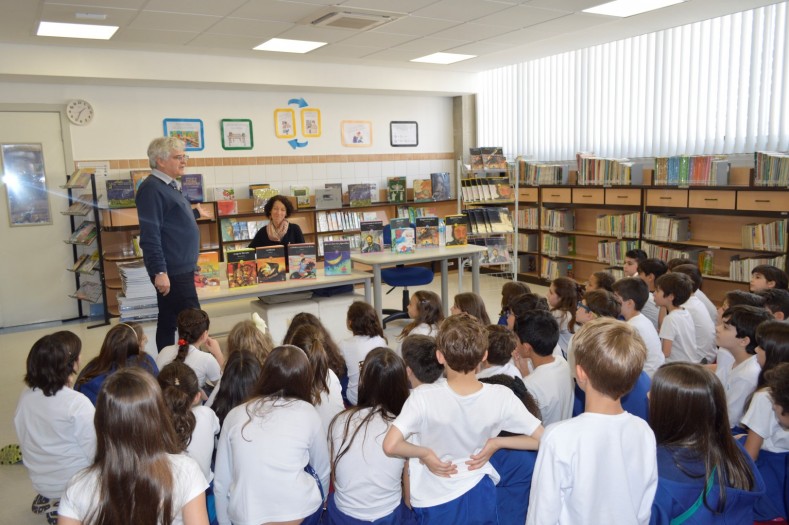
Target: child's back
x,y
703,327
647,331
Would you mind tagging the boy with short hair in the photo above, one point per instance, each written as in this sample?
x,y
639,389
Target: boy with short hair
x,y
776,301
704,325
692,271
736,364
766,276
632,258
601,466
501,343
649,270
456,425
549,382
633,293
419,354
678,333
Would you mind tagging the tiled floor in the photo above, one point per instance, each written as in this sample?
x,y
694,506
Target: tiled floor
x,y
17,492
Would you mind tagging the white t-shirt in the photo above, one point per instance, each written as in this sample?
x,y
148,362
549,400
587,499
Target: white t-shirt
x,y
563,318
354,350
57,437
455,427
705,329
82,493
204,364
420,329
331,403
760,418
366,481
678,328
551,386
701,296
593,469
738,382
508,369
646,330
201,447
651,310
259,473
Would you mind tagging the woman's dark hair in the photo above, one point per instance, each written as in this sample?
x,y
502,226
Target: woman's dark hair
x,y
428,311
773,338
179,388
383,387
700,431
363,320
278,198
134,438
472,303
569,292
519,389
310,339
121,343
52,360
336,361
239,379
192,324
521,304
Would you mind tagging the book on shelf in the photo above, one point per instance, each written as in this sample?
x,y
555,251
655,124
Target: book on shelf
x,y
224,193
241,267
227,207
499,218
337,257
493,158
207,270
456,230
427,232
228,229
137,176
560,219
769,237
302,194
260,197
88,291
528,242
80,260
440,185
772,169
240,230
527,263
84,234
423,190
302,261
328,198
257,186
360,195
253,227
79,208
90,263
371,236
80,178
192,187
501,189
691,170
403,237
271,264
536,173
475,159
395,189
497,251
120,193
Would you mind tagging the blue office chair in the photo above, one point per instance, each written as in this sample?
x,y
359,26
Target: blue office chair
x,y
404,276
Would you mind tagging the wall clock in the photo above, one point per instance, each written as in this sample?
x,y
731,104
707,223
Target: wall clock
x,y
79,112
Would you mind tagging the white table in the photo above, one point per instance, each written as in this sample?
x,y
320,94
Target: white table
x,y
442,254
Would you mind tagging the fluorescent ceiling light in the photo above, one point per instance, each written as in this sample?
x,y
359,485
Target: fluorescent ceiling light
x,y
283,45
625,8
443,58
76,30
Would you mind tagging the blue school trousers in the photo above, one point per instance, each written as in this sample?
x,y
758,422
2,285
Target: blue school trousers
x,y
475,507
402,515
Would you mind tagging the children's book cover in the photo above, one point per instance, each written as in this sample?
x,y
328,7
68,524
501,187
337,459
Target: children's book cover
x,y
497,251
475,159
257,186
241,267
395,189
89,264
84,234
192,187
501,190
120,193
457,230
360,195
207,270
427,232
440,184
240,231
403,238
302,194
371,236
271,264
302,261
224,193
423,190
228,229
227,207
337,257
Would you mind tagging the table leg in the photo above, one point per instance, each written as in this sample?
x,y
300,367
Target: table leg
x,y
445,285
377,298
475,272
367,291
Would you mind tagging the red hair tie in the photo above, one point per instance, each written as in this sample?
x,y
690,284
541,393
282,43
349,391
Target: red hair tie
x,y
182,342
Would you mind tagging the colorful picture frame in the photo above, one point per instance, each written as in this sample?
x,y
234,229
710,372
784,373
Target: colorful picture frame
x,y
356,133
190,130
25,182
284,123
311,122
403,134
236,133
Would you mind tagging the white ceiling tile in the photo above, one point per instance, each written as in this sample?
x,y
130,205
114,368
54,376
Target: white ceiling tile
x,y
214,41
165,39
377,39
246,27
120,4
400,6
565,5
395,54
426,46
521,36
469,32
342,51
575,22
521,16
316,34
195,7
416,26
276,10
460,10
481,48
172,21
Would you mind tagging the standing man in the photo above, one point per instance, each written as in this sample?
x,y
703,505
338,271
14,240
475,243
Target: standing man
x,y
169,236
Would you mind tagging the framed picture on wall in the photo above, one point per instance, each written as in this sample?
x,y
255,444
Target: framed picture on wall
x,y
25,184
356,133
190,130
403,134
284,123
236,133
311,122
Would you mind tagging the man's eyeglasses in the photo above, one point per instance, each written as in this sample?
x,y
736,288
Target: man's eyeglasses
x,y
181,158
583,306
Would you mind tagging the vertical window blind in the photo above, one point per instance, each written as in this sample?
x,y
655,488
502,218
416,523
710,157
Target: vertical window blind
x,y
717,86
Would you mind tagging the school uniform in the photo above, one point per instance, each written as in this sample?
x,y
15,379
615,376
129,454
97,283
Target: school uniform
x,y
354,350
507,369
515,467
651,310
551,386
563,318
705,329
91,388
204,364
331,402
712,310
634,402
739,381
430,330
678,328
646,330
201,446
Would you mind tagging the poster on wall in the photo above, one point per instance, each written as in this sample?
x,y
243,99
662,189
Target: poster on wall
x,y
190,130
311,122
236,133
356,133
403,134
284,123
25,182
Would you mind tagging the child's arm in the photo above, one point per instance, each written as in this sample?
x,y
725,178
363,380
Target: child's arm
x,y
194,512
512,442
666,343
396,445
212,345
406,486
753,444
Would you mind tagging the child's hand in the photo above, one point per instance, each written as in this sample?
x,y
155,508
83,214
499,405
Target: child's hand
x,y
479,459
440,468
520,362
212,345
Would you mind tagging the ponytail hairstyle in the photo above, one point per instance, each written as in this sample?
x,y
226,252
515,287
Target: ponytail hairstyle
x,y
52,361
568,292
120,345
309,339
472,303
239,379
135,435
428,311
192,324
179,388
363,320
701,427
336,360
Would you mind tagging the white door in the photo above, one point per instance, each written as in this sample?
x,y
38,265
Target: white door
x,y
34,283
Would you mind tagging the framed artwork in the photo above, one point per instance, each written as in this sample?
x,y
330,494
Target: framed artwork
x,y
356,133
190,130
284,123
25,182
311,122
236,133
403,134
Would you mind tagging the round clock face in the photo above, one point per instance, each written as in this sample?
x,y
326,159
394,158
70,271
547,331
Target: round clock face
x,y
79,112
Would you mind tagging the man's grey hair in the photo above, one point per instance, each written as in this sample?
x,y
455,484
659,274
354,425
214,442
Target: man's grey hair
x,y
161,147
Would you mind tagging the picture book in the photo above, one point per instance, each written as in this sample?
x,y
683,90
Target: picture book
x,y
227,207
253,227
90,263
395,189
427,232
328,198
475,159
337,257
360,194
271,264
192,187
456,230
333,186
137,176
224,193
371,236
302,194
403,238
440,184
227,229
260,186
423,190
497,251
81,259
500,189
260,197
207,270
302,261
240,231
120,193
84,234
89,291
241,267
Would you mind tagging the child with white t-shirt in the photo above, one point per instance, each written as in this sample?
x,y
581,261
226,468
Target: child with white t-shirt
x,y
364,324
426,311
649,271
563,295
454,428
502,342
678,332
702,321
422,366
633,294
192,334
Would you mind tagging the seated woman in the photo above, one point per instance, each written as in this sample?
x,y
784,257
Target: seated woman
x,y
279,230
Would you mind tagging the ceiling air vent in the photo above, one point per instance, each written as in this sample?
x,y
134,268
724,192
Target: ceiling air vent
x,y
351,20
